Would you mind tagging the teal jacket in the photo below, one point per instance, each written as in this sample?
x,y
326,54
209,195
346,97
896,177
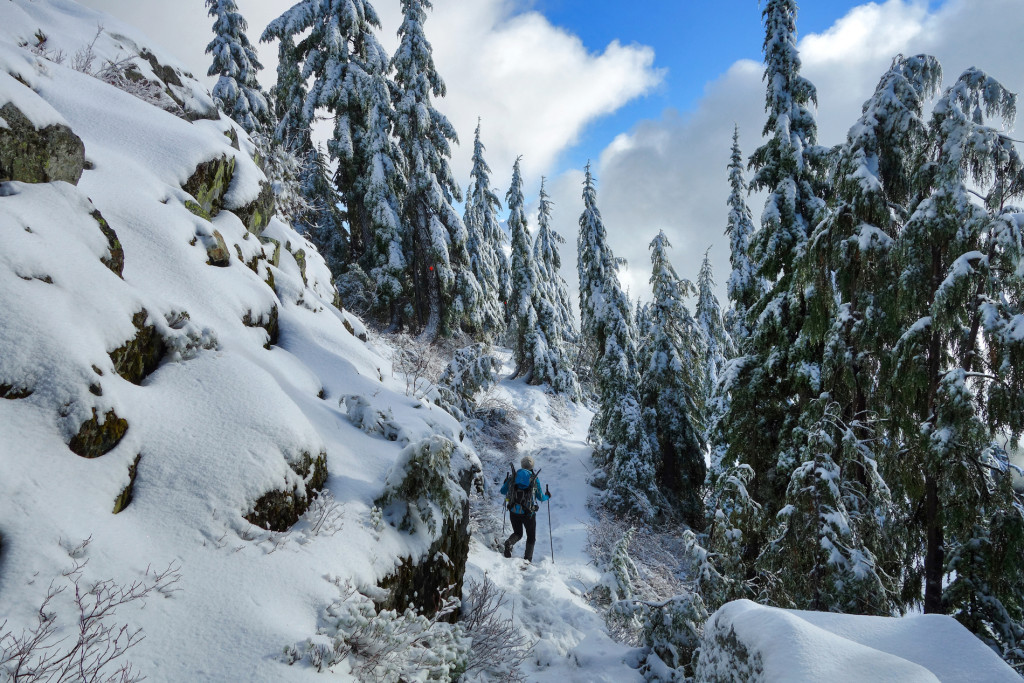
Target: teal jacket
x,y
523,480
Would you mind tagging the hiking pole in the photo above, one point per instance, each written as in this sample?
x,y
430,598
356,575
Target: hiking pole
x,y
547,492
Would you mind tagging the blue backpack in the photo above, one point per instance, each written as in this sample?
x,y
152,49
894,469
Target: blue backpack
x,y
522,492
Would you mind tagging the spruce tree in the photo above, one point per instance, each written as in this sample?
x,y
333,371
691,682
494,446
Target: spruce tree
x,y
445,292
237,92
524,280
537,345
673,376
745,286
289,97
774,380
847,270
769,390
348,68
485,240
623,449
718,342
549,263
956,364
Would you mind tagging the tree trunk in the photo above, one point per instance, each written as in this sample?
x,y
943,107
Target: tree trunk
x,y
934,552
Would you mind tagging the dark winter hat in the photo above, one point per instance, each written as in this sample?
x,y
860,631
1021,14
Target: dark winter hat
x,y
527,462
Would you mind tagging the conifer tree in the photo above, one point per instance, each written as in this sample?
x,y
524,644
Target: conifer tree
x,y
237,92
847,269
538,348
549,263
673,375
348,68
775,378
623,449
289,97
446,294
709,322
956,363
524,331
745,286
485,239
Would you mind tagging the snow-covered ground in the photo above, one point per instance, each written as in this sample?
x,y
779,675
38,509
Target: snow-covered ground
x,y
545,599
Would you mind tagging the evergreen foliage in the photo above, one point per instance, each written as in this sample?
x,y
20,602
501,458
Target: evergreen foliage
x,y
673,379
485,239
289,98
745,286
546,256
623,449
348,68
445,293
536,333
237,92
956,362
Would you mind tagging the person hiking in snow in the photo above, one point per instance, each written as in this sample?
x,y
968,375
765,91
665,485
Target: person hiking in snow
x,y
522,493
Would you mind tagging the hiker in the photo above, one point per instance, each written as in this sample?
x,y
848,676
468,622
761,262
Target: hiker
x,y
522,499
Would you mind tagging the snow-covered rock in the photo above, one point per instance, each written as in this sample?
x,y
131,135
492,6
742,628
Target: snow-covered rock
x,y
744,641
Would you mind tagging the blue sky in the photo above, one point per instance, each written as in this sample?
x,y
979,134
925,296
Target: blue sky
x,y
694,40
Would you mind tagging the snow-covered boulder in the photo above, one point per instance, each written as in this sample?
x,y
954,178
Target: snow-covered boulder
x,y
744,641
36,144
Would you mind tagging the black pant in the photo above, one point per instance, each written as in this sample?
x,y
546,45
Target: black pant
x,y
519,522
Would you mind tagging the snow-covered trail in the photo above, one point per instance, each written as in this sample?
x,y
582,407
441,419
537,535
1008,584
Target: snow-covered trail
x,y
570,640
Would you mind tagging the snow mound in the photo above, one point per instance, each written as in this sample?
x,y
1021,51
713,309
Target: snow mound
x,y
751,642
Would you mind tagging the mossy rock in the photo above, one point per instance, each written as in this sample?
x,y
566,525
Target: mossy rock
x,y
275,258
217,253
210,182
95,438
115,252
268,321
14,391
232,135
196,209
257,213
125,497
421,585
141,355
279,510
38,156
165,73
300,258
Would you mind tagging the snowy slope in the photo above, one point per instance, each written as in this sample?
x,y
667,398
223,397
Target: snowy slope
x,y
220,422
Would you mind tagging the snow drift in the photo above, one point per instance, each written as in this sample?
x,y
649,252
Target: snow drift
x,y
750,642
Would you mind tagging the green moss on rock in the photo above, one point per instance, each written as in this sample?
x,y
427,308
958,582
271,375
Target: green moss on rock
x,y
257,213
125,497
94,438
139,356
421,585
38,156
210,182
197,210
280,509
115,252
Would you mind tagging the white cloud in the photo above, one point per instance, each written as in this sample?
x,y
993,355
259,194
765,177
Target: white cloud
x,y
535,86
670,174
